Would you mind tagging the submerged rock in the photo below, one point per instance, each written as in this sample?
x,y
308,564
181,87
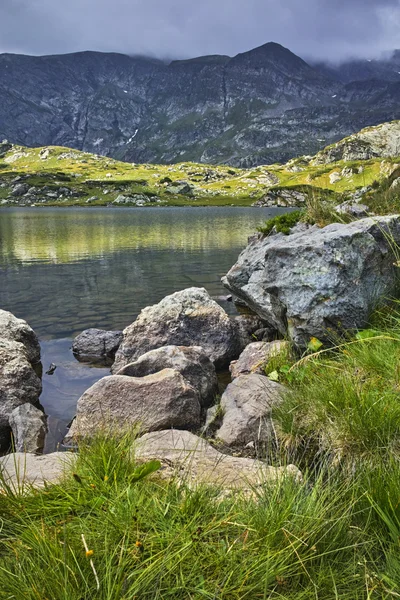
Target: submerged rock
x,y
159,401
97,344
196,460
190,361
320,282
186,318
246,405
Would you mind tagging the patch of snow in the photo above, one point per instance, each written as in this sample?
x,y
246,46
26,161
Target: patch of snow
x,y
334,96
98,142
132,137
369,60
125,91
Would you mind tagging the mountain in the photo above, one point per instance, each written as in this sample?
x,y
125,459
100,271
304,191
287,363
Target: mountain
x,y
262,106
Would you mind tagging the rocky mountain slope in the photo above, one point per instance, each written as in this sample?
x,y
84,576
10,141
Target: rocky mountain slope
x,y
57,176
260,107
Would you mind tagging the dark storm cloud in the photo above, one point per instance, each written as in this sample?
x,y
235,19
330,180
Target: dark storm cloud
x,y
183,28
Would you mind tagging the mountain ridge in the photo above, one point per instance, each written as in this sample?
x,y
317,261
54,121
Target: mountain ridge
x,y
259,107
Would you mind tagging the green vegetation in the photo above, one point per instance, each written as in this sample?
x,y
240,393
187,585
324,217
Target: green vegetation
x,y
61,176
282,223
333,535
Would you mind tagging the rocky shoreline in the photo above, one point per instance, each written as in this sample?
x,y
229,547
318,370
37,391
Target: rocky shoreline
x,y
311,285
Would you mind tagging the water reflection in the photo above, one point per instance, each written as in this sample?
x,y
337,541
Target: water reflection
x,y
64,270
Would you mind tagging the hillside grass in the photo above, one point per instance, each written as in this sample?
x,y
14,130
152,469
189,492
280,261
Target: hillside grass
x,y
104,178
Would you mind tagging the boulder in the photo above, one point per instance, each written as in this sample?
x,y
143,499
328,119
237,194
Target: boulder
x,y
195,460
150,403
97,344
29,429
320,282
246,405
255,357
186,318
18,330
19,384
20,189
190,361
353,209
22,471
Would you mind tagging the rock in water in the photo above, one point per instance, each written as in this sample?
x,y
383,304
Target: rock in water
x,y
97,344
246,405
186,318
29,429
190,361
320,282
119,402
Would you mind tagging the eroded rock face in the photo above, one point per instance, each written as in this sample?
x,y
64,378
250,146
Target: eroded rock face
x,y
195,459
18,330
29,429
186,318
319,282
190,361
97,344
246,405
246,328
159,401
255,357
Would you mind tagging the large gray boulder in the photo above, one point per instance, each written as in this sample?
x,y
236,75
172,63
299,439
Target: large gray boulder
x,y
28,425
186,318
191,361
246,405
255,357
316,283
19,384
153,402
195,461
97,344
18,330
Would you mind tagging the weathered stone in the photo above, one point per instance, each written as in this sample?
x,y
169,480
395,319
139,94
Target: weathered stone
x,y
21,471
191,361
20,189
352,209
197,461
153,402
28,426
97,344
186,318
18,384
18,330
334,177
246,405
255,357
246,327
321,282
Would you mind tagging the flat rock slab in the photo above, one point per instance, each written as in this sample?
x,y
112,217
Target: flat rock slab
x,y
194,459
22,470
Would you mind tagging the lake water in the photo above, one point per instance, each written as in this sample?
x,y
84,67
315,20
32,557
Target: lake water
x,y
65,270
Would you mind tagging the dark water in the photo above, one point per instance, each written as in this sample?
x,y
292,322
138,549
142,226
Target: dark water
x,y
65,270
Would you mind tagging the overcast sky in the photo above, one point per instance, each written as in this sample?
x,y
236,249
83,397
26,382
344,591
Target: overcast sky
x,y
329,29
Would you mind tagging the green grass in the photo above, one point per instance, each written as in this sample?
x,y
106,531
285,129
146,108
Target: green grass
x,y
157,539
335,534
